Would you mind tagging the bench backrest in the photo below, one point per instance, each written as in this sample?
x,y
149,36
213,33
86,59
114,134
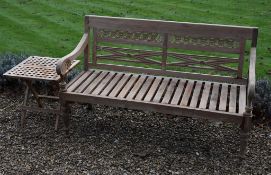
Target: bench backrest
x,y
168,40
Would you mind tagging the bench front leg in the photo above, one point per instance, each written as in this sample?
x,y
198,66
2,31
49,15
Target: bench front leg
x,y
65,110
245,129
247,116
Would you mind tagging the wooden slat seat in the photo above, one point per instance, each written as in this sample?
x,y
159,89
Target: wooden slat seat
x,y
168,91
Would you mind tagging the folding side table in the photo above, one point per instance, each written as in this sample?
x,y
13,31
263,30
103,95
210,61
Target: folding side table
x,y
37,68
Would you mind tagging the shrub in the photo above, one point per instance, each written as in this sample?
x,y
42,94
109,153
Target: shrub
x,y
8,61
262,103
72,74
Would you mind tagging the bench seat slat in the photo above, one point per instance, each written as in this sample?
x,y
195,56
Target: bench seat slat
x,y
95,82
233,93
112,84
187,93
128,86
178,93
120,85
143,91
161,90
75,79
196,94
170,91
153,89
87,81
205,95
214,97
103,84
242,99
223,97
136,87
80,80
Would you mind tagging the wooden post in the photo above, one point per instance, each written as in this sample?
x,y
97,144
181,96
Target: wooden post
x,y
254,38
63,104
241,58
34,92
26,94
62,84
66,115
245,128
247,116
86,50
164,55
57,122
94,47
86,57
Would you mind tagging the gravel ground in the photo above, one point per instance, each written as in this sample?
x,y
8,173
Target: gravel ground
x,y
119,141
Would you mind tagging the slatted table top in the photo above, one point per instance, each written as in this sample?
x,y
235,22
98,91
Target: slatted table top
x,y
211,96
37,68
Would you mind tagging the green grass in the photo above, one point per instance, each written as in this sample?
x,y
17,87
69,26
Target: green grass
x,y
53,28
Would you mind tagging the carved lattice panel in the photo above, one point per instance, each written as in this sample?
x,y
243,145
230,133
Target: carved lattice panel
x,y
204,43
151,38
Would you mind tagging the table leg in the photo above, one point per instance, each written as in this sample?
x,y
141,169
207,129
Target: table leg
x,y
26,94
38,97
57,121
34,92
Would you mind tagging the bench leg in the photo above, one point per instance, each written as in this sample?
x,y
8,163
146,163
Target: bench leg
x,y
244,135
66,115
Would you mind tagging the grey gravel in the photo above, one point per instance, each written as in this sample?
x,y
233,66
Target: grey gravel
x,y
110,140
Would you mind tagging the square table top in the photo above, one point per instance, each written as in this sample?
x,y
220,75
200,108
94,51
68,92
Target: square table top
x,y
37,68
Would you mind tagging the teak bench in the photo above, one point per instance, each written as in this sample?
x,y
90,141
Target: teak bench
x,y
151,77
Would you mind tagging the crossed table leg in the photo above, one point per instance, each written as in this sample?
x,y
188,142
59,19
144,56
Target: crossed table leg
x,y
41,107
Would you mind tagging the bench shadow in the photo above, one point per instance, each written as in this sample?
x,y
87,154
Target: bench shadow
x,y
147,134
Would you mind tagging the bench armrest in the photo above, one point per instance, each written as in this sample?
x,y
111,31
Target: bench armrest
x,y
65,62
251,77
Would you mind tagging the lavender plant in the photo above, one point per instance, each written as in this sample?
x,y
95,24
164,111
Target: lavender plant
x,y
8,61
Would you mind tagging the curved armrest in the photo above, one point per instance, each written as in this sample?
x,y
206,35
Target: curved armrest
x,y
65,62
251,77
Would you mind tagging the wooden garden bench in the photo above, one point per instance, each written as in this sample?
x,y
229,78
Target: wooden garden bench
x,y
145,65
